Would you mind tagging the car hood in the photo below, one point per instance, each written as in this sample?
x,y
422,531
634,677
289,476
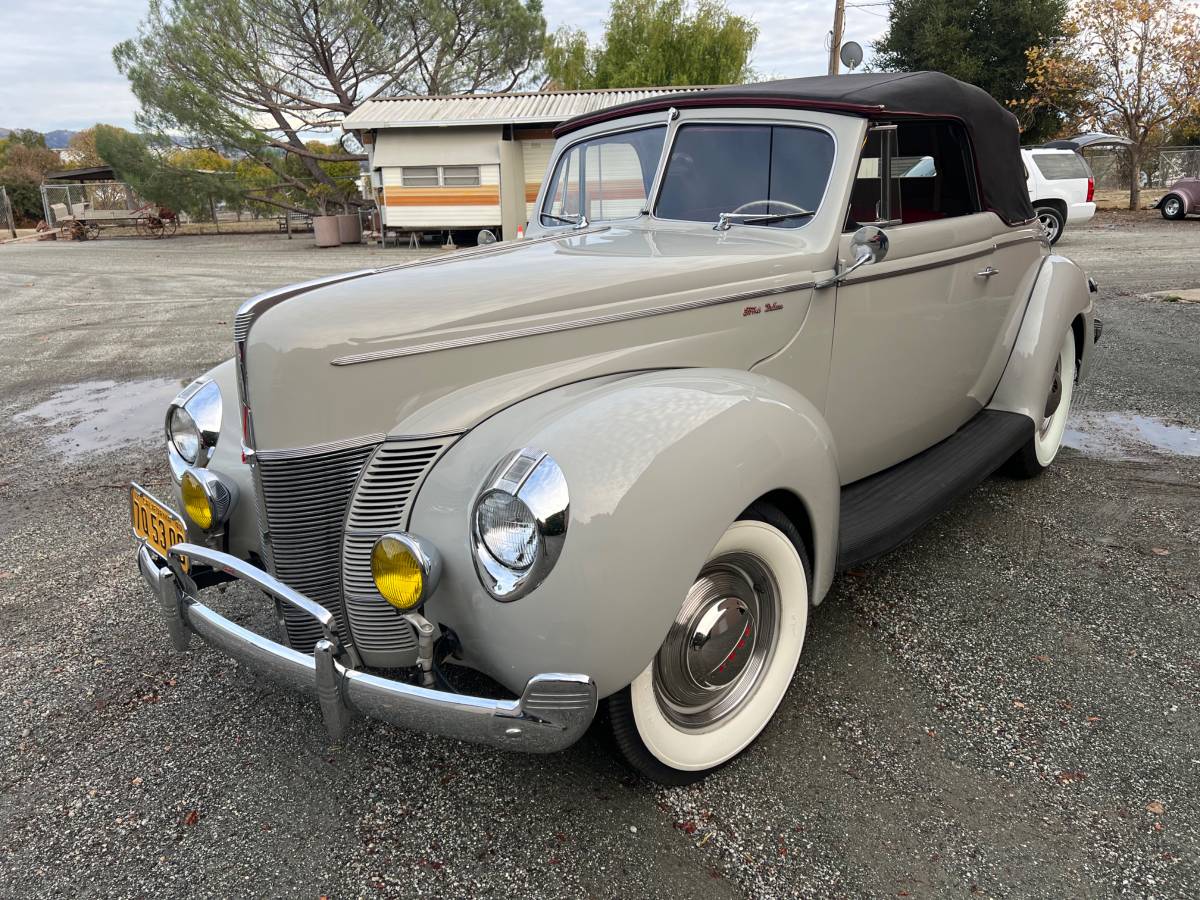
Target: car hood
x,y
435,346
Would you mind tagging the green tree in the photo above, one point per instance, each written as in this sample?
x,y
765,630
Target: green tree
x,y
983,42
161,174
24,164
650,43
257,78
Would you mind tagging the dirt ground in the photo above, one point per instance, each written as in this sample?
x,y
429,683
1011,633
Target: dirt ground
x,y
1008,706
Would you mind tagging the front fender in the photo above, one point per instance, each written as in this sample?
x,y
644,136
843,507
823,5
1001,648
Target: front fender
x,y
658,465
1060,295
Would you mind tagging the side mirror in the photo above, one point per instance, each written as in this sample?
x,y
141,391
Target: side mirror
x,y
870,245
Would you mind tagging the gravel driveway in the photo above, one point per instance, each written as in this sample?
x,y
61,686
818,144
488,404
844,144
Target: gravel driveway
x,y
1007,706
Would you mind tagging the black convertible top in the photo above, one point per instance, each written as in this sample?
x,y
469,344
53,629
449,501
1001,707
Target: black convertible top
x,y
995,137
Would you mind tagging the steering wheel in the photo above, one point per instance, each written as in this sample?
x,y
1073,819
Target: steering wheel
x,y
789,207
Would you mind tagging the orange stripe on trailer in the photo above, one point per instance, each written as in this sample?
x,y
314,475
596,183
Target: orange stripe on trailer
x,y
483,195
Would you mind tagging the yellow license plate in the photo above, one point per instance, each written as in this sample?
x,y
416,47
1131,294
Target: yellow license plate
x,y
154,523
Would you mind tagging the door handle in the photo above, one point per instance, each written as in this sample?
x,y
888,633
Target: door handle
x,y
987,272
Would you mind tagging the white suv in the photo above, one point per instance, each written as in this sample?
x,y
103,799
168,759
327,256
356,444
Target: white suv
x,y
1061,188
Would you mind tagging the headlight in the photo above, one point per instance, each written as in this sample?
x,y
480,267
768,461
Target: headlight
x,y
207,497
184,434
508,530
194,424
405,569
519,524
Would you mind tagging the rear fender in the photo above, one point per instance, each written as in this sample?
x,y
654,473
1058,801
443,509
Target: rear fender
x,y
658,465
1060,296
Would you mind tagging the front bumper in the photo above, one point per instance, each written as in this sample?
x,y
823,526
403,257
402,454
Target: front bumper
x,y
552,713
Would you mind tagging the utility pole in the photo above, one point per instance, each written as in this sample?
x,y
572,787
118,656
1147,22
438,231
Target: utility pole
x,y
835,43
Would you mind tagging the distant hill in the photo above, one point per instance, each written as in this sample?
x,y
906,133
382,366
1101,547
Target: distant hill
x,y
55,140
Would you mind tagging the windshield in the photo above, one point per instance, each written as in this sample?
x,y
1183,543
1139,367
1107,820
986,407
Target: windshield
x,y
607,177
757,174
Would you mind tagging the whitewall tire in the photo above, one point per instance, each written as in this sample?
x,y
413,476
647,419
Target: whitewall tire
x,y
1043,447
728,659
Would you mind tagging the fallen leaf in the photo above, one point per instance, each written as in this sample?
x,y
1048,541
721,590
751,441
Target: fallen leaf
x,y
1158,826
1160,551
1154,806
1017,704
1042,658
1070,777
1093,718
192,817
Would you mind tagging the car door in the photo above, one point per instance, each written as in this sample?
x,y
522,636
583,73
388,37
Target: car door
x,y
918,334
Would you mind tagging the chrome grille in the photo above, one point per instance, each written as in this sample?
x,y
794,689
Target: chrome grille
x,y
305,495
381,504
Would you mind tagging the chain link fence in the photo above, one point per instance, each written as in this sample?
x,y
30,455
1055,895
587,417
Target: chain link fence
x,y
89,201
1161,167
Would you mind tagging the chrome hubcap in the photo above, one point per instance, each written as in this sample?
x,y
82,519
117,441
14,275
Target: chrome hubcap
x,y
1172,207
1050,224
720,643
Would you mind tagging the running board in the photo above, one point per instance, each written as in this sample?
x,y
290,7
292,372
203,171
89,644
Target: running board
x,y
882,511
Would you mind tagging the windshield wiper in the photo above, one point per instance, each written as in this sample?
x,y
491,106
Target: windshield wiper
x,y
562,219
727,219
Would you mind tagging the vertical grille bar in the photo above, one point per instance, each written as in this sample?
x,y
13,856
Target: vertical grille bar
x,y
381,504
306,494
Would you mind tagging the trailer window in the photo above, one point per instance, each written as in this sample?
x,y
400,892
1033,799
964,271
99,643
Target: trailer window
x,y
460,176
419,176
605,178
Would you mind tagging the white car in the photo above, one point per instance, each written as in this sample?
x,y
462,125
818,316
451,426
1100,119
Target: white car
x,y
1061,188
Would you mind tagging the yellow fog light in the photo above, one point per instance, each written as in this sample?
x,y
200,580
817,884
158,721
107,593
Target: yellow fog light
x,y
195,501
405,569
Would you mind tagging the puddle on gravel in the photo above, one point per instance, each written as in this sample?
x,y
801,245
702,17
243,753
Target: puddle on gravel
x,y
93,417
1125,435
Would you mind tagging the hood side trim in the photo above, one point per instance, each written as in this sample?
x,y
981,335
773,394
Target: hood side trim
x,y
534,330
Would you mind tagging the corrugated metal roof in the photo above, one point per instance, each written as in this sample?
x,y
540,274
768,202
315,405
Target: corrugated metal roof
x,y
548,107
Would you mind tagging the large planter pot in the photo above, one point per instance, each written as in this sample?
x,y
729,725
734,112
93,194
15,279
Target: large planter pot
x,y
350,228
325,231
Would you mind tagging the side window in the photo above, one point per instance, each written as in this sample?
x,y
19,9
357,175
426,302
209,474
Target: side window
x,y
934,173
913,172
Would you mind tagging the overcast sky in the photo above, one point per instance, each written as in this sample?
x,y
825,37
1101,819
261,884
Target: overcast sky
x,y
56,68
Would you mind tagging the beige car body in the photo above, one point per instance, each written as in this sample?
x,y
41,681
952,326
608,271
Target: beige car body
x,y
675,372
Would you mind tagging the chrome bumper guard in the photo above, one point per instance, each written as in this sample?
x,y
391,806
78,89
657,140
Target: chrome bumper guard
x,y
552,713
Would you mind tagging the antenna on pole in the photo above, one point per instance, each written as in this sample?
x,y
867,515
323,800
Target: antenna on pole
x,y
851,55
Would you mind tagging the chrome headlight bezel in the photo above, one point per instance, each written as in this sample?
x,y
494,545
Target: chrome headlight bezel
x,y
535,479
201,401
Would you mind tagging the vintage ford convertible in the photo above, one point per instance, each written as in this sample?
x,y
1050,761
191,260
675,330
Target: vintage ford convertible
x,y
756,335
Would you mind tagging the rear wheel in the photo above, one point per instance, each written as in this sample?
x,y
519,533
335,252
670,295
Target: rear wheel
x,y
728,658
1172,207
1039,451
1052,221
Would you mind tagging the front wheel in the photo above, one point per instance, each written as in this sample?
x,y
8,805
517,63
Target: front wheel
x,y
1172,207
1039,451
1052,221
728,658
